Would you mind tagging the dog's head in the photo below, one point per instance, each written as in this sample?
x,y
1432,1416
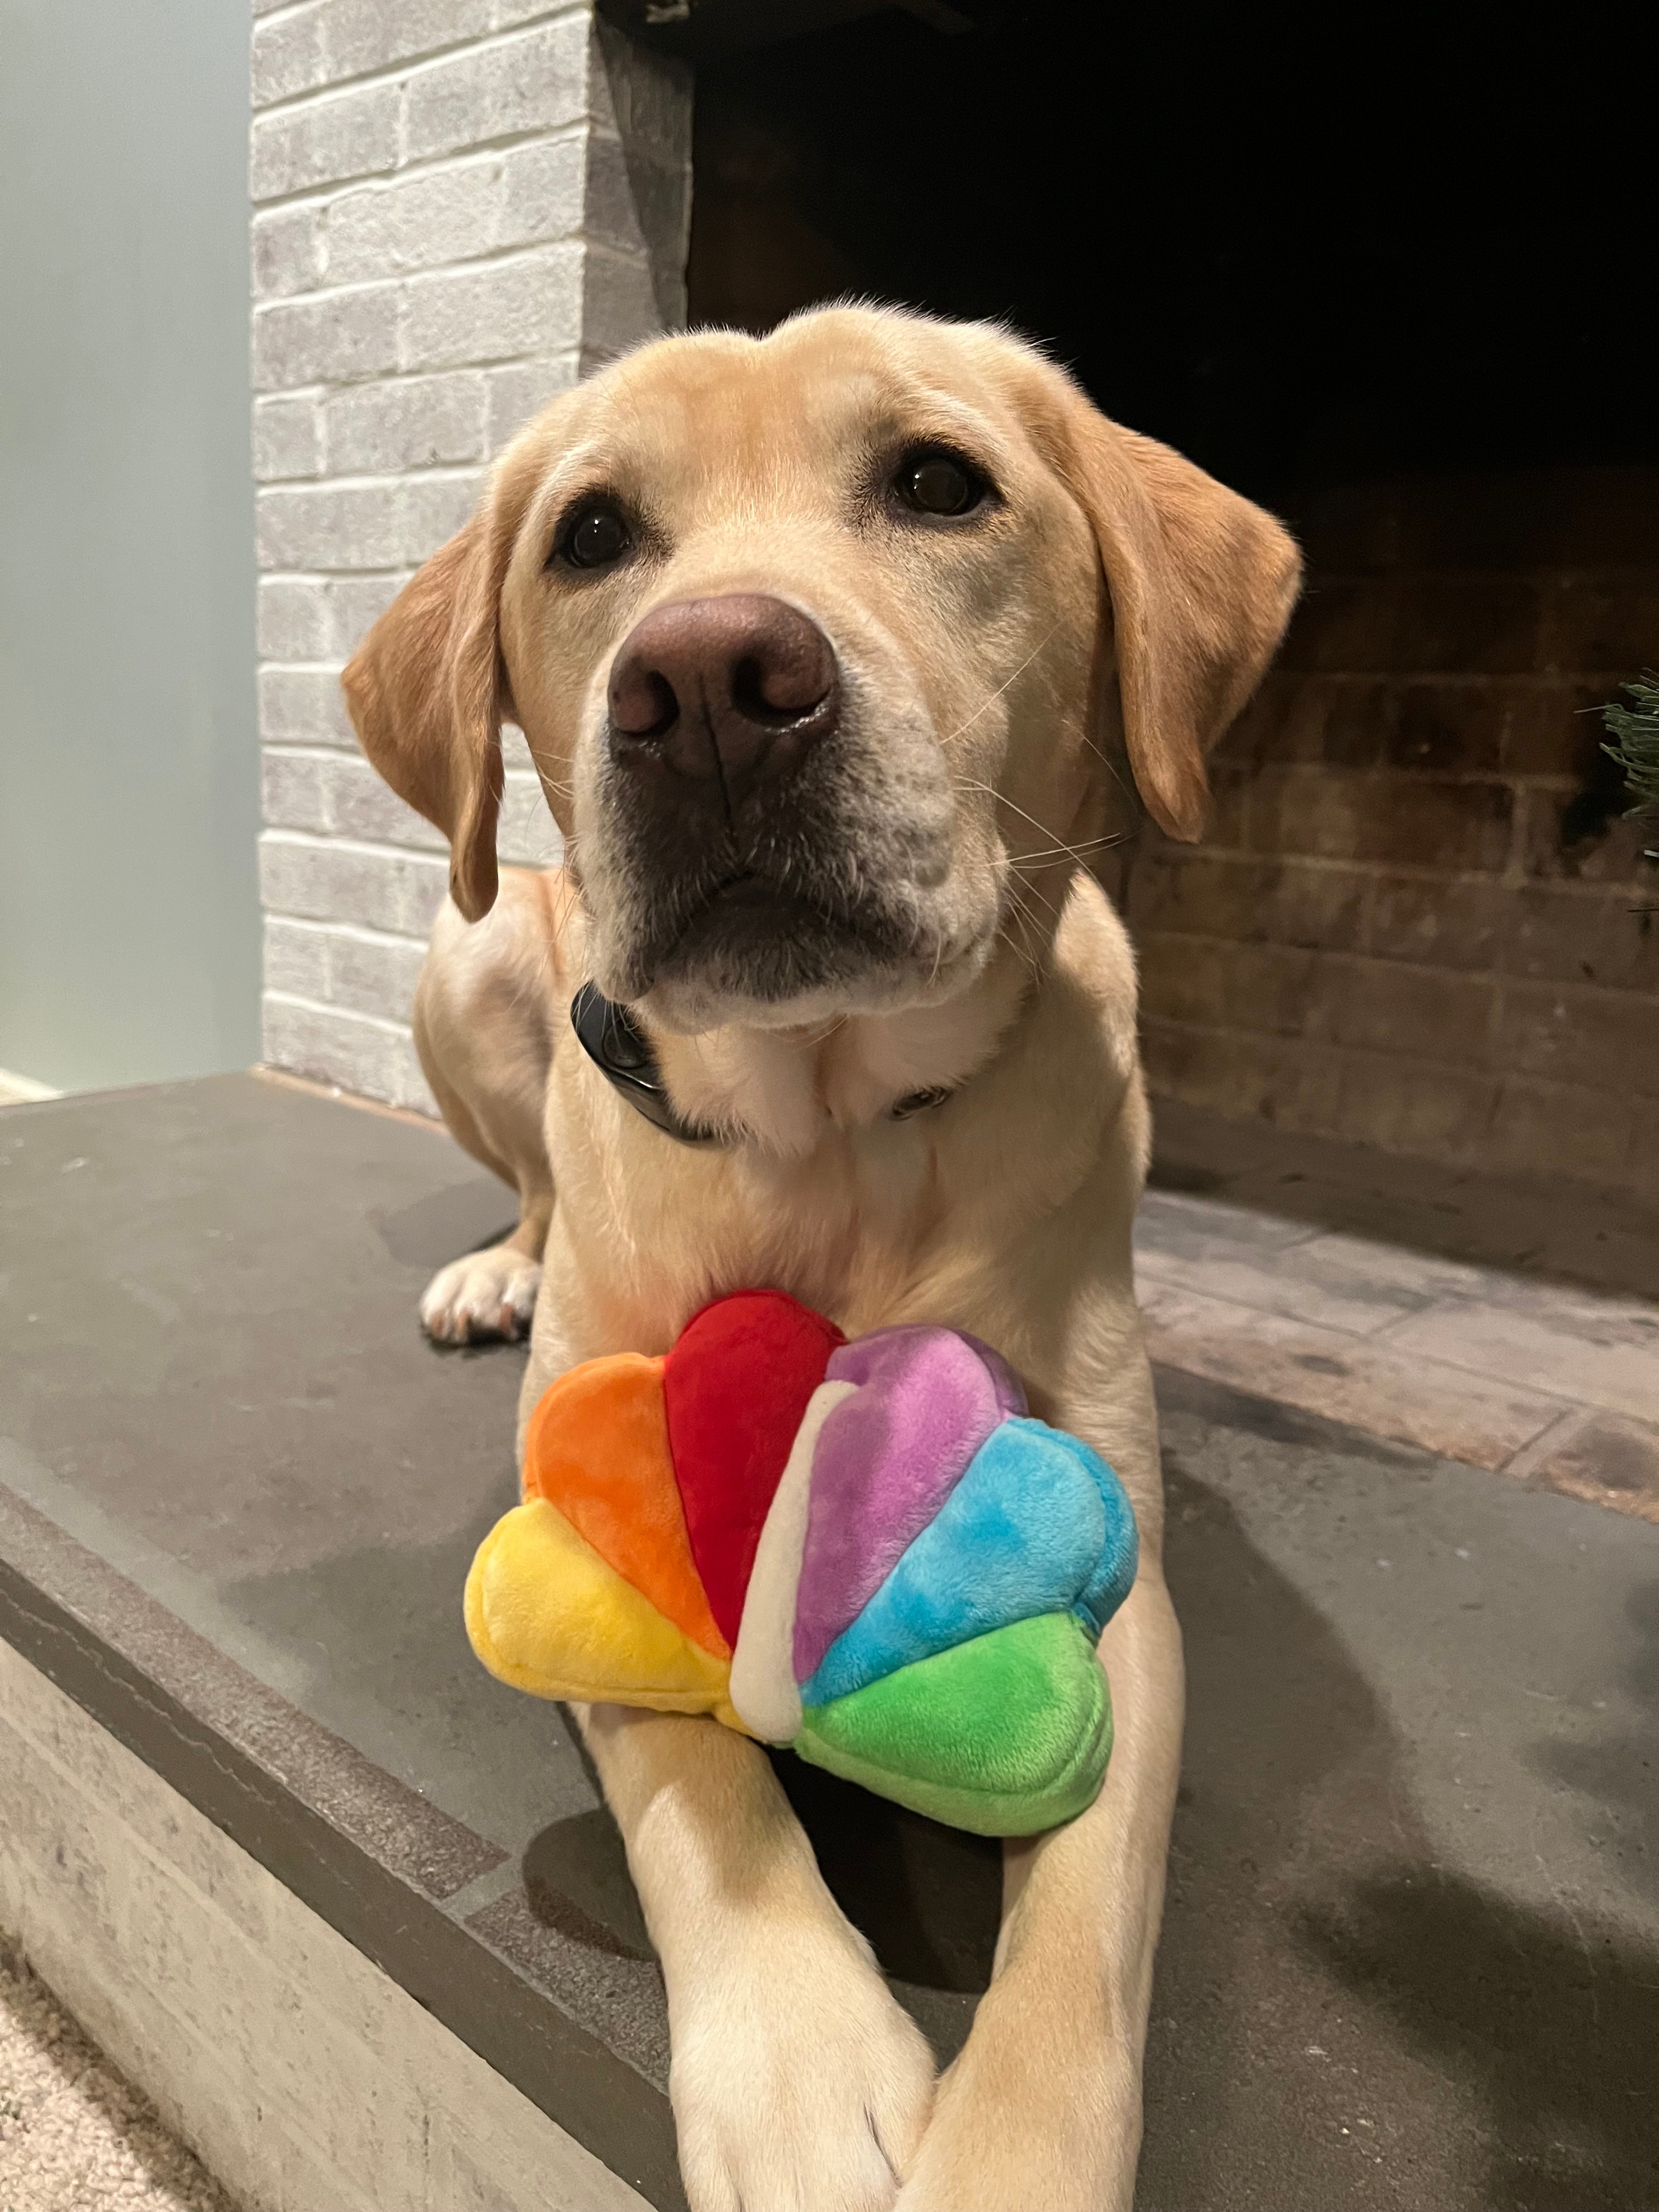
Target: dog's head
x,y
823,645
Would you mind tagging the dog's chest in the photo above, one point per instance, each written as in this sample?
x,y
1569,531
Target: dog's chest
x,y
865,1232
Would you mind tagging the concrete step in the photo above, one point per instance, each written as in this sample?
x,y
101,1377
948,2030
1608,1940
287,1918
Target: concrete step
x,y
353,1915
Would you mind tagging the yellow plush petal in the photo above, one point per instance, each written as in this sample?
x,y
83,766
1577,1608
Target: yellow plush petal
x,y
546,1614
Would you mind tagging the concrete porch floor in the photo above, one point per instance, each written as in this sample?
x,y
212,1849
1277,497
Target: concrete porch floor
x,y
1412,1950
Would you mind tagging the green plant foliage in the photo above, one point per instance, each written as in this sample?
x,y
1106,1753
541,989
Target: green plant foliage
x,y
1634,735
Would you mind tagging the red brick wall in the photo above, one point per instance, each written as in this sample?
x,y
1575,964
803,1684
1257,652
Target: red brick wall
x,y
1418,919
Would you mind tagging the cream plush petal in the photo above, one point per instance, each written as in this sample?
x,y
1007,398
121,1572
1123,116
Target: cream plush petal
x,y
762,1687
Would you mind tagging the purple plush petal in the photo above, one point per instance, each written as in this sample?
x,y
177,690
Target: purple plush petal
x,y
1010,1391
886,1460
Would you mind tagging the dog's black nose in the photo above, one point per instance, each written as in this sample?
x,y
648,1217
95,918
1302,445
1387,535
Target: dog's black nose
x,y
724,692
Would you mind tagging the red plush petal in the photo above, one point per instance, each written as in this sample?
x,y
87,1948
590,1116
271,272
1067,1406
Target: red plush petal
x,y
736,1386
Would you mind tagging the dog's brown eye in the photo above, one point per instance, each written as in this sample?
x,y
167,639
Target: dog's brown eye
x,y
594,537
937,483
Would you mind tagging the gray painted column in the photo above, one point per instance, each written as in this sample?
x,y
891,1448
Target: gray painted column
x,y
129,784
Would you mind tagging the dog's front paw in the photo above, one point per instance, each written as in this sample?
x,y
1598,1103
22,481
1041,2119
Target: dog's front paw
x,y
799,2084
482,1294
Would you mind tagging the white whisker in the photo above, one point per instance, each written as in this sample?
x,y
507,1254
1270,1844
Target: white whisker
x,y
993,697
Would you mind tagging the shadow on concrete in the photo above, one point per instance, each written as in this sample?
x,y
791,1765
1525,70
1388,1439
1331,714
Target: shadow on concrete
x,y
439,1226
1550,2022
1344,2014
929,1898
1283,1737
1616,1776
576,1878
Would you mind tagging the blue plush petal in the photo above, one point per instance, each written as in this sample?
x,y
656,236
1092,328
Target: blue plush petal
x,y
1022,1533
1120,1553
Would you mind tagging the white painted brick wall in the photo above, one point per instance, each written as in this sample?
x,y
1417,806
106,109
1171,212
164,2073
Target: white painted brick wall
x,y
459,206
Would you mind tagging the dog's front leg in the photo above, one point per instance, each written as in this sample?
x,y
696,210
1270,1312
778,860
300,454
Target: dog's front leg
x,y
1042,2108
798,2085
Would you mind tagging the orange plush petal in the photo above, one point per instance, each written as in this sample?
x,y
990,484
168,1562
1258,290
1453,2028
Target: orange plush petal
x,y
597,1448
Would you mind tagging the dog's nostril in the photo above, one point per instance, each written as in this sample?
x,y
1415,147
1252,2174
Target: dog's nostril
x,y
643,703
762,694
793,671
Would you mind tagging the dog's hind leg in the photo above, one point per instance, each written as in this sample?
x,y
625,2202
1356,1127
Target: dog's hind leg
x,y
487,1015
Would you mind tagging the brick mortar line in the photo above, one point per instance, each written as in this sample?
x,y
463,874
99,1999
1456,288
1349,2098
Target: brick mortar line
x,y
319,388
380,1022
1374,1053
327,748
1458,779
1283,672
285,13
333,576
424,473
359,932
1584,986
1381,580
322,748
1418,872
481,361
330,188
402,282
398,570
426,165
413,64
271,303
314,840
1377,870
334,668
1528,681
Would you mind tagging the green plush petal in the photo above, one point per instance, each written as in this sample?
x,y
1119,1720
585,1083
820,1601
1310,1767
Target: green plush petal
x,y
1006,1735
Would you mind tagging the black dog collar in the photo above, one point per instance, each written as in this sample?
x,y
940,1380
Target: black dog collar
x,y
619,1048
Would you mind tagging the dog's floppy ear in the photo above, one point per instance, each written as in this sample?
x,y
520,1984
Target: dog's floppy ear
x,y
427,691
1201,583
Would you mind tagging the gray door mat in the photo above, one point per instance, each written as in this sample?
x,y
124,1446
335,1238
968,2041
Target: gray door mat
x,y
1411,1955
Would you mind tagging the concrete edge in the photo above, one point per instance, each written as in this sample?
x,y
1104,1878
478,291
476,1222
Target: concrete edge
x,y
585,2090
305,2078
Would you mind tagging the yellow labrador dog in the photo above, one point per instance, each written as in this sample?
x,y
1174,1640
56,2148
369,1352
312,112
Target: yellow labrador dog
x,y
825,647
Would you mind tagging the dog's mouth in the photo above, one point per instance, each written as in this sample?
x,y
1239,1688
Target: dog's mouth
x,y
832,897
771,940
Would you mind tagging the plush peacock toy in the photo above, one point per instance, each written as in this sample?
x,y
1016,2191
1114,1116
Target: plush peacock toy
x,y
865,1550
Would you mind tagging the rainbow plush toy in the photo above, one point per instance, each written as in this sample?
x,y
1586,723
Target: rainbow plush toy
x,y
864,1550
